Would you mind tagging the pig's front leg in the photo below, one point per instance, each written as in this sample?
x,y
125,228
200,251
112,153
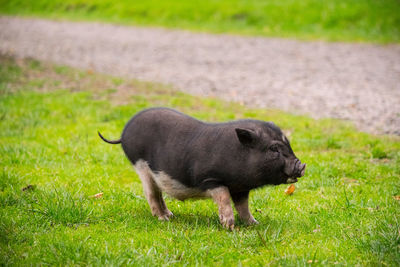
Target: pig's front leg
x,y
241,201
222,197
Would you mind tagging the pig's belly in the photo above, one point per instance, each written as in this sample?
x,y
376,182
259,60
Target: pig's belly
x,y
168,185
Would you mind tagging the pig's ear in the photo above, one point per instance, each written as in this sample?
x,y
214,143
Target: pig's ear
x,y
246,136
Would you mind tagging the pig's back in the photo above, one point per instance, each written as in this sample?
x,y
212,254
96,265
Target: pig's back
x,y
158,135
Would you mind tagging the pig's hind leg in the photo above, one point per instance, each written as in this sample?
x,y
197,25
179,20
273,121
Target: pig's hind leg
x,y
152,192
241,201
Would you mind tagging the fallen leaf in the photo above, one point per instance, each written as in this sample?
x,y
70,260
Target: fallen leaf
x,y
290,189
98,195
396,197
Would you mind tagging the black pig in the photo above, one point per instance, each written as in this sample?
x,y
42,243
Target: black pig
x,y
188,158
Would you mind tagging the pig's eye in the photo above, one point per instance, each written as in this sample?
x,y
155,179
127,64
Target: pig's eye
x,y
274,148
273,152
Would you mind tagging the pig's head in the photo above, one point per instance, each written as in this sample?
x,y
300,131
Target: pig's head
x,y
270,154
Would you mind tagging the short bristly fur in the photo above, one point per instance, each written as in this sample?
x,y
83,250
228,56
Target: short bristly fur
x,y
188,158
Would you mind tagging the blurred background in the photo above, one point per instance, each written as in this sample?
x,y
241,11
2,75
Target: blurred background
x,y
336,20
338,59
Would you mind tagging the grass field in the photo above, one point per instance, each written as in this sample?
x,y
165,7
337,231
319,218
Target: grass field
x,y
343,212
335,20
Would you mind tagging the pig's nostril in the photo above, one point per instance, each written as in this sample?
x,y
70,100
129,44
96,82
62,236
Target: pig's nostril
x,y
303,169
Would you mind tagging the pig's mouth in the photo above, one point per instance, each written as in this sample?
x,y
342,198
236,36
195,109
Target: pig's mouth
x,y
296,170
291,180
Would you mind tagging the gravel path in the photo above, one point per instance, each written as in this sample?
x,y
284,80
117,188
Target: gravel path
x,y
358,82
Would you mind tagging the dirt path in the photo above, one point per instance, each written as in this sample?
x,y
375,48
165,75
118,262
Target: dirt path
x,y
358,82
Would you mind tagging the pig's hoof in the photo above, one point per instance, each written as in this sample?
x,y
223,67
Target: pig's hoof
x,y
169,213
229,226
252,221
227,222
165,216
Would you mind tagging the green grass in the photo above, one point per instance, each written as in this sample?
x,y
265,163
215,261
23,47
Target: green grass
x,y
334,20
343,211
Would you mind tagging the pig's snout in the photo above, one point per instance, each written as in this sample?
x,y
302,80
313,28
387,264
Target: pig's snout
x,y
295,170
299,169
